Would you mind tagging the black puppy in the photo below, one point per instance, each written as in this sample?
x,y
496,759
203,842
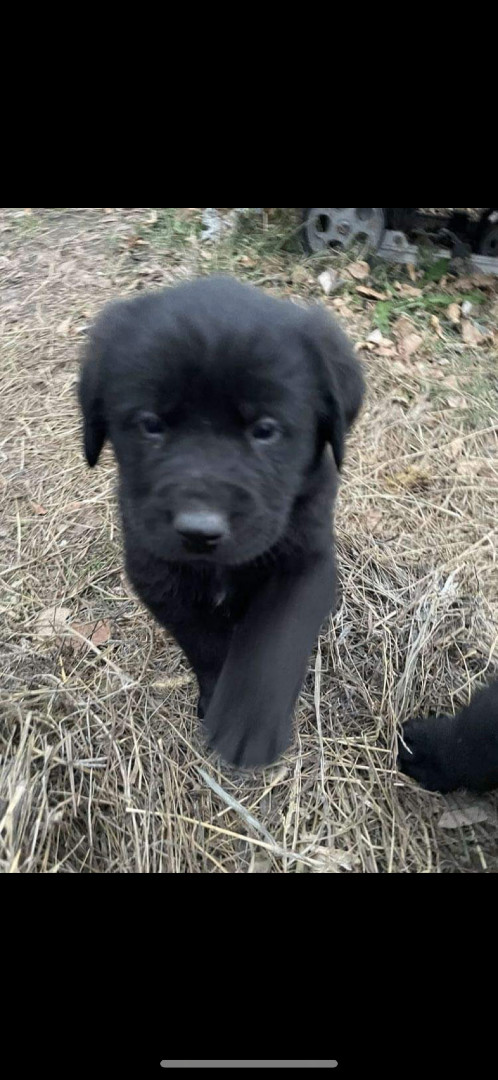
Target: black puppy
x,y
455,751
221,403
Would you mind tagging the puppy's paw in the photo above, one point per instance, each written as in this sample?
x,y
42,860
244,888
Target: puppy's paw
x,y
245,744
425,754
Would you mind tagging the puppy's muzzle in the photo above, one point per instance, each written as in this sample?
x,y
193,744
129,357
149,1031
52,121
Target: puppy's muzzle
x,y
202,530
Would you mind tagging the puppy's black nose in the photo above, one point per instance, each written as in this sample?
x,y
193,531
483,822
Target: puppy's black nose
x,y
202,528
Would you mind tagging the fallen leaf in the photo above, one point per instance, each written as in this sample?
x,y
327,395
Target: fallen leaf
x,y
176,682
471,333
454,314
64,327
403,327
370,294
360,271
456,449
377,340
412,479
484,281
459,819
300,274
407,290
260,865
51,622
98,633
469,468
329,281
436,325
412,273
455,402
410,345
372,520
39,510
329,861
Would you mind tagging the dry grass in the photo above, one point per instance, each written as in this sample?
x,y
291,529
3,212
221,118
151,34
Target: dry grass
x,y
102,766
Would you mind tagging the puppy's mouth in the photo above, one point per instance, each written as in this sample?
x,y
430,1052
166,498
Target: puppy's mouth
x,y
203,548
232,552
204,533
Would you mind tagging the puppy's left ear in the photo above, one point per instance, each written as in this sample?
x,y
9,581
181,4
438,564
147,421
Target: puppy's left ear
x,y
92,404
341,382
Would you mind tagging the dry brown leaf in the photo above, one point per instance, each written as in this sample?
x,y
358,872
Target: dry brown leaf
x,y
412,273
412,479
98,633
372,520
468,815
64,327
436,325
300,274
456,402
454,314
470,468
370,294
484,281
403,327
471,333
329,861
261,864
456,448
51,622
407,290
410,345
39,510
360,271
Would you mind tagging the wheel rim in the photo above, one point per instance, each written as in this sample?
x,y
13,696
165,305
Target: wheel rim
x,y
343,226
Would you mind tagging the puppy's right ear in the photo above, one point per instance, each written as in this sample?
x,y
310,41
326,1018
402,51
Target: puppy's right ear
x,y
340,379
92,404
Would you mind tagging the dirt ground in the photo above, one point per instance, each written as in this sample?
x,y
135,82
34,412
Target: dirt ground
x,y
102,764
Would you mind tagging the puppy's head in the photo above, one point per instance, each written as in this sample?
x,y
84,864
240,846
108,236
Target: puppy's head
x,y
219,401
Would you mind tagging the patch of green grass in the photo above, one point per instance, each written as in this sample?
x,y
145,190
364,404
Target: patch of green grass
x,y
27,223
387,311
171,230
255,238
256,249
435,271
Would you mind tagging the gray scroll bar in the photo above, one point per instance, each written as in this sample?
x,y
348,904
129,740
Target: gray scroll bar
x,y
249,1064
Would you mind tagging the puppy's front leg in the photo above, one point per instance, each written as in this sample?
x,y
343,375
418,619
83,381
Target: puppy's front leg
x,y
205,641
249,720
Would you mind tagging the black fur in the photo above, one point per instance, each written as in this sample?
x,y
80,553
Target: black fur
x,y
455,752
177,381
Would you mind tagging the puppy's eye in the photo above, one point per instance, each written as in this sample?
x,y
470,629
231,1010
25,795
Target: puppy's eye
x,y
266,430
150,426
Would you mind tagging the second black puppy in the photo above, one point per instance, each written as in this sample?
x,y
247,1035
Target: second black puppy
x,y
454,752
221,404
